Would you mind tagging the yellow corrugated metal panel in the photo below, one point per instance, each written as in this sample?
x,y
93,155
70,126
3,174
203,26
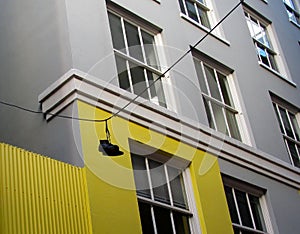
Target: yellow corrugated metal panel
x,y
41,195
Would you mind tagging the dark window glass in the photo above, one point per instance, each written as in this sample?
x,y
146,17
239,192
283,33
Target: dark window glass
x,y
243,208
182,6
138,80
140,176
200,76
225,89
146,218
286,122
295,126
159,182
273,63
163,220
116,31
133,41
181,223
191,10
231,205
122,73
203,17
257,213
212,83
209,114
219,118
150,51
278,118
177,187
233,127
293,152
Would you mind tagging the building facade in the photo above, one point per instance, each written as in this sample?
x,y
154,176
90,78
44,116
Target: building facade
x,y
209,131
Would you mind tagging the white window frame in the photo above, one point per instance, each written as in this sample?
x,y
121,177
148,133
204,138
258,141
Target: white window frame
x,y
286,137
147,153
268,49
292,11
204,6
161,60
236,108
248,189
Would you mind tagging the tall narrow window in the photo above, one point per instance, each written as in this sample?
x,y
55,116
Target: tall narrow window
x,y
290,130
293,13
162,196
258,30
196,10
137,59
244,203
218,101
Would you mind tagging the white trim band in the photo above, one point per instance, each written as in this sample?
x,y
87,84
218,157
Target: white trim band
x,y
77,85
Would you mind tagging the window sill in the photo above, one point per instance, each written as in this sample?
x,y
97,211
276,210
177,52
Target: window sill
x,y
278,74
294,23
204,29
157,1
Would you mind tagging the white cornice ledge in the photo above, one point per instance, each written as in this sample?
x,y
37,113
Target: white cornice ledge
x,y
77,85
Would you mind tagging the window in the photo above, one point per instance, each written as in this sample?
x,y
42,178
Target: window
x,y
196,10
162,195
245,207
261,40
290,130
293,14
136,59
218,101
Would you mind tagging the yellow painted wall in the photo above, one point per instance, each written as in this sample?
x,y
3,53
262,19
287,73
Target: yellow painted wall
x,y
110,180
41,195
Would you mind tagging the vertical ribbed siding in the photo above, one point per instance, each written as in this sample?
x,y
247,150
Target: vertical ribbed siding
x,y
41,195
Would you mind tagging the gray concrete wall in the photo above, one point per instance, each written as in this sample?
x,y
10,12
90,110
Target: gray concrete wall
x,y
34,52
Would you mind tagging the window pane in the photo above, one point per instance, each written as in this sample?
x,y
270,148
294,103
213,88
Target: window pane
x,y
231,205
200,76
182,6
233,127
243,208
203,17
263,55
156,90
133,41
272,61
150,50
286,122
146,218
177,187
212,82
225,89
295,126
140,175
116,31
191,10
219,118
181,223
159,182
293,152
163,220
279,121
138,80
257,213
209,114
122,73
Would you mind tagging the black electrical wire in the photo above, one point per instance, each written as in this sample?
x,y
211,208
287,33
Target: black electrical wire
x,y
138,95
